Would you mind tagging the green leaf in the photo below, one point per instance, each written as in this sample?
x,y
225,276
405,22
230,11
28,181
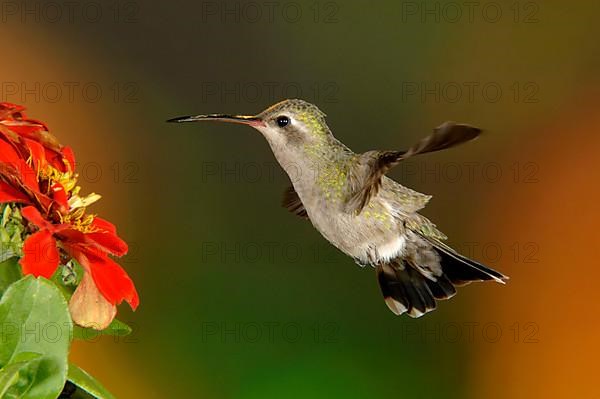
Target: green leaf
x,y
18,377
88,383
115,328
14,376
10,271
11,232
35,319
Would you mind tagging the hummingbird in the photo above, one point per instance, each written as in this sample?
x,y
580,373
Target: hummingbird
x,y
365,214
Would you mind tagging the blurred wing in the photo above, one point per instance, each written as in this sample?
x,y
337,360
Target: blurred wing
x,y
373,165
291,201
448,134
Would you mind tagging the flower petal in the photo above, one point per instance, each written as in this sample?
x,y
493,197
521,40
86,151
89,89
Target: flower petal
x,y
29,177
37,153
113,282
89,308
99,242
8,154
108,242
104,224
110,278
10,194
40,254
15,167
34,216
59,195
67,153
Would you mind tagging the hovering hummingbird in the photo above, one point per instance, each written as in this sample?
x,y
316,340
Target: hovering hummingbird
x,y
356,207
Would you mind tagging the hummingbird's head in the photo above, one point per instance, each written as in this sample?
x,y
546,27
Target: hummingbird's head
x,y
293,123
288,125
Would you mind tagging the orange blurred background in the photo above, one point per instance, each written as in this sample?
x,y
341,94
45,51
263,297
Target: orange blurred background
x,y
535,337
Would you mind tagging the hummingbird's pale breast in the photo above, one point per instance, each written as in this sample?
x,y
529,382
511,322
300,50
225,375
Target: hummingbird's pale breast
x,y
323,184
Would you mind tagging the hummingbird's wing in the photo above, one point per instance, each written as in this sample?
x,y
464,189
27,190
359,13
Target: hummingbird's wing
x,y
291,201
448,134
373,165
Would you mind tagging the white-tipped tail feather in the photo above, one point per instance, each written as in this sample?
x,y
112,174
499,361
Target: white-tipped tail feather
x,y
407,290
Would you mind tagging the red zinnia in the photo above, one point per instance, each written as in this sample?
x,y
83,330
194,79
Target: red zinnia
x,y
36,171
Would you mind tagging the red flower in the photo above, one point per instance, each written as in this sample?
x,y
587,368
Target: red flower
x,y
36,171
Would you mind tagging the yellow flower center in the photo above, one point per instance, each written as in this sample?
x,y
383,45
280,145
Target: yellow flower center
x,y
76,215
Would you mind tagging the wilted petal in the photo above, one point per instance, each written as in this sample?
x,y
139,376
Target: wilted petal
x,y
7,109
40,254
34,130
112,281
88,306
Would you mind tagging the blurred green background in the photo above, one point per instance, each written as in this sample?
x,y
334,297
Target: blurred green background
x,y
239,298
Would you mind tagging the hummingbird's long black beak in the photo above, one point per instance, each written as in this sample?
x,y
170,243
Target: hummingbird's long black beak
x,y
241,119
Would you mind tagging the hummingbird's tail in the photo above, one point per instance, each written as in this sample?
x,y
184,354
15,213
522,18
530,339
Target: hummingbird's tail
x,y
406,288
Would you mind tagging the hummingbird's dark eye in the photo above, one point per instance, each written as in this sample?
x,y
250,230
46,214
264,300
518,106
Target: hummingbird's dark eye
x,y
283,121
